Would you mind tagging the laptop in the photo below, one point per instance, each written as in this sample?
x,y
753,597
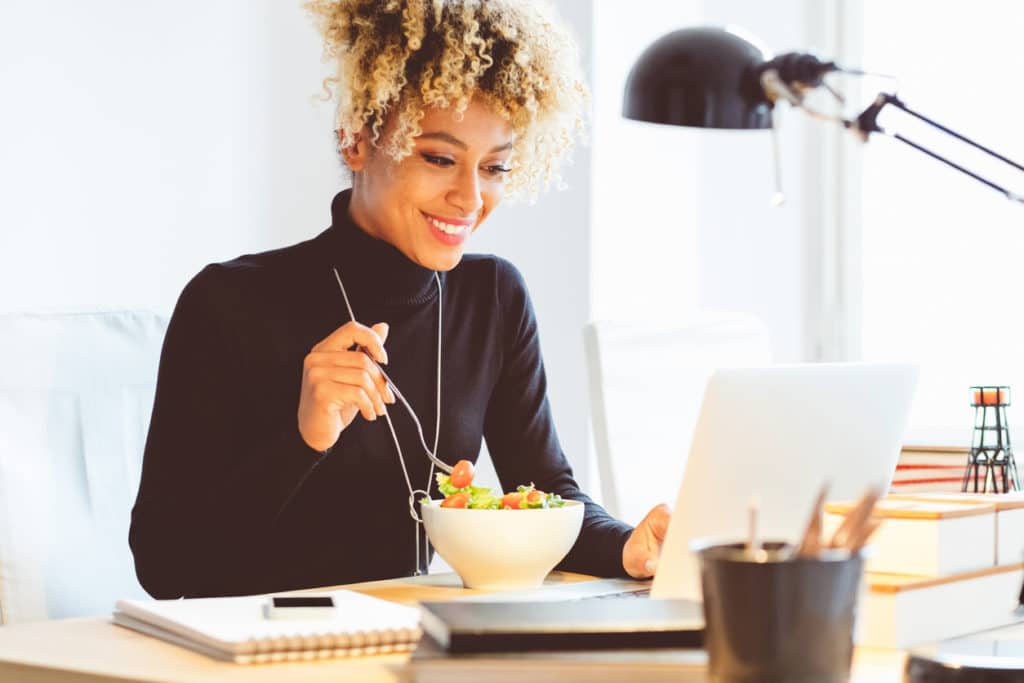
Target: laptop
x,y
777,433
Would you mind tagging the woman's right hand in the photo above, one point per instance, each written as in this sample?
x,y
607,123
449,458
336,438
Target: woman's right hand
x,y
338,383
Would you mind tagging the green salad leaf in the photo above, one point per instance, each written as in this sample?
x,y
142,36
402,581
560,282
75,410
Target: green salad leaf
x,y
444,484
481,497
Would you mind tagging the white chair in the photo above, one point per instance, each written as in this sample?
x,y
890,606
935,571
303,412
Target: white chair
x,y
76,391
646,386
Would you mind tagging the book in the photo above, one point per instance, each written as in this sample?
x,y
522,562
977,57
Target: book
x,y
926,538
929,468
234,628
911,453
922,486
1013,500
431,663
563,625
945,477
900,611
1009,518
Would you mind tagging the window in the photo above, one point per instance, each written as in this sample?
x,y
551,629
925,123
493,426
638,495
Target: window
x,y
941,254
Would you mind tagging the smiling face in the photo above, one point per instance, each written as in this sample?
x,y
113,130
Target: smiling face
x,y
427,204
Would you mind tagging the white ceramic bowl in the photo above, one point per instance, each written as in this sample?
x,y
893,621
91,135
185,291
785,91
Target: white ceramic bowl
x,y
503,549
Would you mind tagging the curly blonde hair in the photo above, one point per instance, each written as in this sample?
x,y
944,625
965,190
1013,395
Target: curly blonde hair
x,y
397,57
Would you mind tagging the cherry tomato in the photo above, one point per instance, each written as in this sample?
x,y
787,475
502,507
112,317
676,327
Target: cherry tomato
x,y
456,500
511,501
462,474
535,496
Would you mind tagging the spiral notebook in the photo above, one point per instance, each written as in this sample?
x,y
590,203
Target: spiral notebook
x,y
234,629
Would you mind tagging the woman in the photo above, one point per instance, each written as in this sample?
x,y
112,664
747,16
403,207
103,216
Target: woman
x,y
267,465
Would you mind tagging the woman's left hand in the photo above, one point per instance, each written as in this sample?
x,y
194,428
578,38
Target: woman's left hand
x,y
640,554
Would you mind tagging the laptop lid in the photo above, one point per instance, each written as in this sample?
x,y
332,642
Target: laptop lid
x,y
779,433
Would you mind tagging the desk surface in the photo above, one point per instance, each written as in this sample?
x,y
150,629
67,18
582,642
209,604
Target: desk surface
x,y
93,650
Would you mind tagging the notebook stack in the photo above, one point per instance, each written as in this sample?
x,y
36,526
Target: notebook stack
x,y
940,566
929,469
236,629
575,640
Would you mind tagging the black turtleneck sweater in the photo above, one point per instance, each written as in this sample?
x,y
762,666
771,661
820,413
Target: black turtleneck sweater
x,y
216,514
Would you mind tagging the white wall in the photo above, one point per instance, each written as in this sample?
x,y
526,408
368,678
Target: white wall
x,y
645,178
681,216
143,140
140,141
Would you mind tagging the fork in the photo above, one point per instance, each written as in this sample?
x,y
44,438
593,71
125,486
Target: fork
x,y
441,464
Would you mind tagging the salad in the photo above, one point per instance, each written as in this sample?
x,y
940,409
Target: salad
x,y
459,492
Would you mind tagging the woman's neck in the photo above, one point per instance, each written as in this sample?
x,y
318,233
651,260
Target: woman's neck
x,y
362,216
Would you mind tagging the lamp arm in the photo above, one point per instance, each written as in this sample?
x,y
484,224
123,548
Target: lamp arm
x,y
867,123
776,88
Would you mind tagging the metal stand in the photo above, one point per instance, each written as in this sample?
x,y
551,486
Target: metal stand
x,y
990,462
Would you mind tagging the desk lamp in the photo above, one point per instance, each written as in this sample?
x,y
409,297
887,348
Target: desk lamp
x,y
721,78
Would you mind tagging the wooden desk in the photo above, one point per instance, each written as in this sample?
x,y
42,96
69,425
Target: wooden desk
x,y
94,650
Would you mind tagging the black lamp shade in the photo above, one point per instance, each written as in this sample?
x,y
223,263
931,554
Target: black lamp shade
x,y
703,77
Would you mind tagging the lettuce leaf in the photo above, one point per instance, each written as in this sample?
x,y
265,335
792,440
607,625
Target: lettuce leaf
x,y
481,497
444,484
484,500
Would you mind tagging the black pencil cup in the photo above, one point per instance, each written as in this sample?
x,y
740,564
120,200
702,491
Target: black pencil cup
x,y
771,617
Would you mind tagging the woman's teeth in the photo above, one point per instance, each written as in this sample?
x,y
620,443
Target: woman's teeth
x,y
446,227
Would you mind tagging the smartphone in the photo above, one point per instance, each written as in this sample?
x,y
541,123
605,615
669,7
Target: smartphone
x,y
298,607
